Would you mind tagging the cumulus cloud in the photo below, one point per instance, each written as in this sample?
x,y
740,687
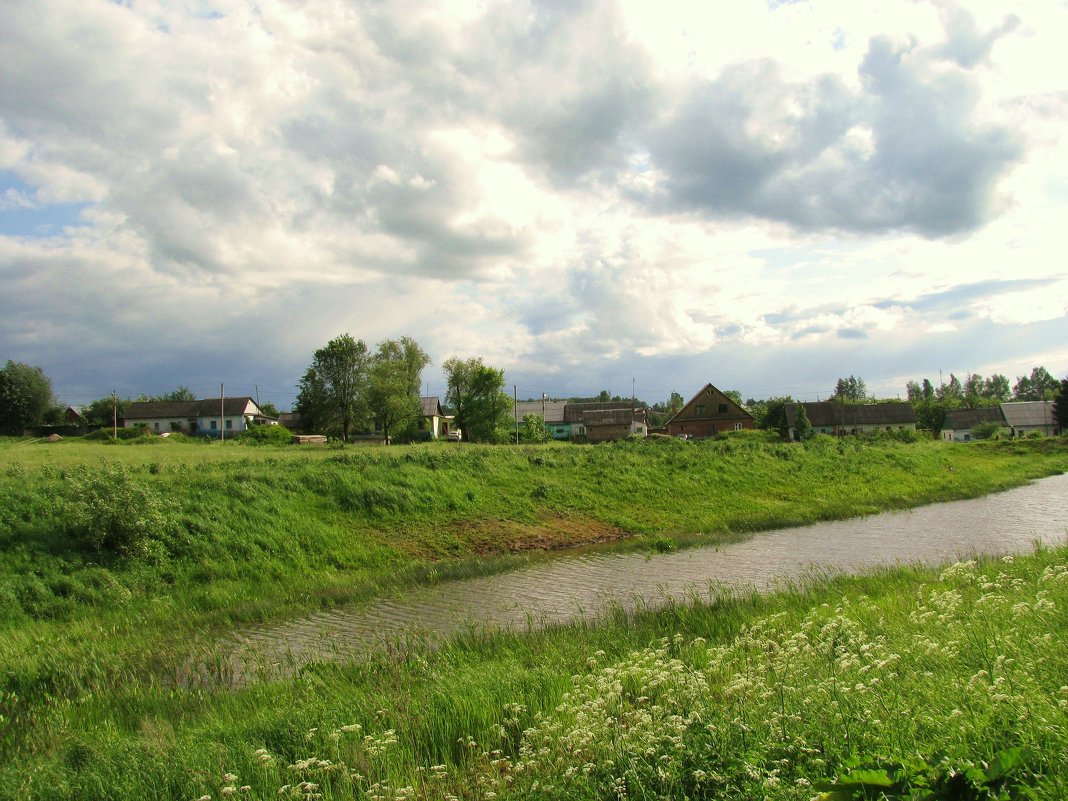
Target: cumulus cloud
x,y
904,153
546,184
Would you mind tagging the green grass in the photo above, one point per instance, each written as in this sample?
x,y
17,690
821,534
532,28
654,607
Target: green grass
x,y
918,675
221,535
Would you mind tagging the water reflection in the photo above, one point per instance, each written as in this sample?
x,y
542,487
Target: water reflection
x,y
586,584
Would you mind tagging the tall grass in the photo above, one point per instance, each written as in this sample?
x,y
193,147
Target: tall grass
x,y
946,681
93,636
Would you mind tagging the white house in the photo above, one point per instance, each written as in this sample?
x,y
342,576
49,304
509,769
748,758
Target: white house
x,y
213,417
1024,417
959,423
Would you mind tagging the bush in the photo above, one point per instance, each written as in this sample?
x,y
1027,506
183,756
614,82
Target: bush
x,y
108,509
987,430
267,435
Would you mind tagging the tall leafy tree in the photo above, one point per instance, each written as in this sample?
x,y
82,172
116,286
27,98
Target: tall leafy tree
x,y
475,392
851,390
1040,385
802,424
395,378
952,392
996,388
770,414
25,397
1060,406
973,390
101,413
333,391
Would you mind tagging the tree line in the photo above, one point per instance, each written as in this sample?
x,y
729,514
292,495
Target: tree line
x,y
348,389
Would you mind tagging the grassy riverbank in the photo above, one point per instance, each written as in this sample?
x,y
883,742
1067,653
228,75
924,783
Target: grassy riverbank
x,y
902,680
212,535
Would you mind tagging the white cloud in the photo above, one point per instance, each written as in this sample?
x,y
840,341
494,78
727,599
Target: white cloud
x,y
556,187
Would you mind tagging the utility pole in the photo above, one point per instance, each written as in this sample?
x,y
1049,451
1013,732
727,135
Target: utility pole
x,y
515,410
114,415
222,414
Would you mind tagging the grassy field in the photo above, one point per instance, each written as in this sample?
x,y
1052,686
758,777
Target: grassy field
x,y
118,561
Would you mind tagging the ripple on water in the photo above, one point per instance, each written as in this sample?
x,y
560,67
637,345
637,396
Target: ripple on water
x,y
587,585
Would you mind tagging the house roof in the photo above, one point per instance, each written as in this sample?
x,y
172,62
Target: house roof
x,y
703,393
431,406
575,412
831,413
960,419
552,410
611,417
1028,413
148,410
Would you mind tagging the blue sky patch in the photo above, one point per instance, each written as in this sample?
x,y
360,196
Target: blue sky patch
x,y
21,214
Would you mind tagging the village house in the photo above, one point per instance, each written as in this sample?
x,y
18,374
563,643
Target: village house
x,y
552,412
959,423
437,422
214,417
1024,417
839,419
708,413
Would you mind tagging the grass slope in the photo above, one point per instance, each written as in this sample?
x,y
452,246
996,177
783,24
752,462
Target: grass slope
x,y
208,536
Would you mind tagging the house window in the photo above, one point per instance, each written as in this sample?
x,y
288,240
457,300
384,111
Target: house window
x,y
229,424
156,426
723,408
214,425
737,426
699,411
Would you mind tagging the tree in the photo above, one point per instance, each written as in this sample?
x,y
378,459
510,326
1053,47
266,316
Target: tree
x,y
770,414
928,390
996,388
802,424
333,391
183,393
913,392
676,402
393,394
25,397
951,393
475,392
930,415
534,430
1060,406
851,390
101,413
268,409
1040,385
973,390
734,395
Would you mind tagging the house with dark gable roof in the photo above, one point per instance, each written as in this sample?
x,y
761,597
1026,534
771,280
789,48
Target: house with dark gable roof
x,y
438,423
1026,417
959,423
840,419
214,417
708,413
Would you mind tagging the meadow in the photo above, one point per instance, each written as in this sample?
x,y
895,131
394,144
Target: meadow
x,y
117,562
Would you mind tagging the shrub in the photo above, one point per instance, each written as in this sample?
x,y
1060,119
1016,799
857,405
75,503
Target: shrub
x,y
267,435
986,430
109,509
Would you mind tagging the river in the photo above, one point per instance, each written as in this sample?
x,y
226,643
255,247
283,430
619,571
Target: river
x,y
586,584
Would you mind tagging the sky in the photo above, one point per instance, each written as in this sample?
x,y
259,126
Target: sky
x,y
618,195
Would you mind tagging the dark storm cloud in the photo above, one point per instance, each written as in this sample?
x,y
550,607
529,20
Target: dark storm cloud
x,y
906,153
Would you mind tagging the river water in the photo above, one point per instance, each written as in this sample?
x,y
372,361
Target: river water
x,y
585,585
